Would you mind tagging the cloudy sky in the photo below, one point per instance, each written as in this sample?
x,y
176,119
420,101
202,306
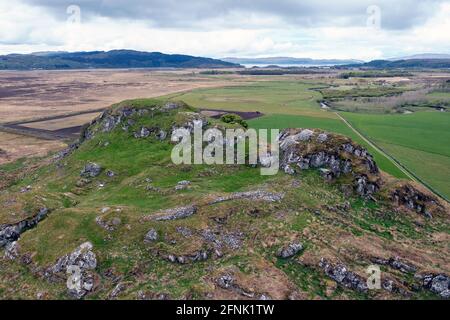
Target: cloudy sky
x,y
357,29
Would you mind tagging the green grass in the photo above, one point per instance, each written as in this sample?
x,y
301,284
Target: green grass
x,y
420,141
439,96
269,97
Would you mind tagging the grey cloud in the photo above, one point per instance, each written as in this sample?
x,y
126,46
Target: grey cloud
x,y
396,15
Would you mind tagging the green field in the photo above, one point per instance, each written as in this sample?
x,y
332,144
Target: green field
x,y
439,96
420,141
268,97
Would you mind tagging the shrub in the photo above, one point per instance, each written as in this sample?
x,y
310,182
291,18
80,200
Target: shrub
x,y
233,119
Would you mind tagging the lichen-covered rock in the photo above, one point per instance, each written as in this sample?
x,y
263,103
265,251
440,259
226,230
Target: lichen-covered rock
x,y
415,200
11,232
364,187
91,170
343,276
12,250
437,283
396,263
150,236
143,133
76,267
225,282
335,155
173,214
290,250
200,255
251,195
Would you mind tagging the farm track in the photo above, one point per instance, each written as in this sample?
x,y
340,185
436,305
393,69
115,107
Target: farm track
x,y
394,161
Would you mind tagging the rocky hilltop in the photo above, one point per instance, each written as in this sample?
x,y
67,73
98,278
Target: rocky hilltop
x,y
136,226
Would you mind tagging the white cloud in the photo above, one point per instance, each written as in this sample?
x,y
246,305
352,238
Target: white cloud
x,y
27,28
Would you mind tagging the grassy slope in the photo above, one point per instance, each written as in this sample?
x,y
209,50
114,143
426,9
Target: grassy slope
x,y
402,135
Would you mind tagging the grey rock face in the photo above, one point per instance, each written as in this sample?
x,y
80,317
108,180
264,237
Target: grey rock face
x,y
11,232
110,225
82,259
251,195
395,263
176,213
161,135
181,185
343,276
304,135
404,267
290,250
91,170
185,232
152,235
200,255
302,150
437,283
225,282
170,106
414,200
143,133
364,187
321,138
12,250
110,173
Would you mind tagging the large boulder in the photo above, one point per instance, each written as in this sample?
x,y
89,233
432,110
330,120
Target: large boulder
x,y
76,267
290,250
91,170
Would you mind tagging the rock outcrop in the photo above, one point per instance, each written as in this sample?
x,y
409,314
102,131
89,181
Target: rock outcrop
x,y
251,195
335,155
11,232
396,263
91,170
437,283
173,214
76,268
123,117
343,276
415,200
290,250
151,235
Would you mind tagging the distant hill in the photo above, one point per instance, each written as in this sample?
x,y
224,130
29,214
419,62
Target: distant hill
x,y
109,59
422,56
289,61
406,64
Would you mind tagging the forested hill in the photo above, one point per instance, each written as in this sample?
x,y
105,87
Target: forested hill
x,y
411,63
109,59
